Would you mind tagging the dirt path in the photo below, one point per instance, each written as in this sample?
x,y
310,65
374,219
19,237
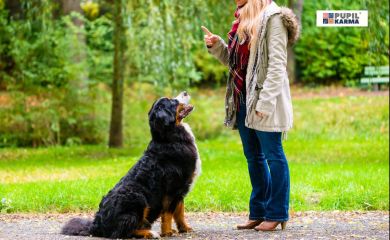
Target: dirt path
x,y
303,225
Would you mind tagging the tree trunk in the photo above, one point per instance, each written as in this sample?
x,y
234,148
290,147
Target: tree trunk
x,y
116,133
296,6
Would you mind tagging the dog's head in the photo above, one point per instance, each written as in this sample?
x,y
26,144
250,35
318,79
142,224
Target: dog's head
x,y
166,113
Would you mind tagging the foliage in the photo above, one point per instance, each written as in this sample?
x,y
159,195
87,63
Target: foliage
x,y
100,49
51,67
40,53
213,72
340,54
5,205
169,43
51,77
166,43
165,36
91,9
328,152
47,118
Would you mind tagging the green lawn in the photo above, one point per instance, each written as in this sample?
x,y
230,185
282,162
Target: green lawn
x,y
338,155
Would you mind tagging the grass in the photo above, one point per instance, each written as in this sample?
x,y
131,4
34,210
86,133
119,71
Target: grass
x,y
338,156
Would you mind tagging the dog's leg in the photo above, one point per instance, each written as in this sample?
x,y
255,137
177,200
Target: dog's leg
x,y
166,217
145,224
145,233
166,224
178,215
144,230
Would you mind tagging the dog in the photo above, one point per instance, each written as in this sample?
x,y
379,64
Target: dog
x,y
155,186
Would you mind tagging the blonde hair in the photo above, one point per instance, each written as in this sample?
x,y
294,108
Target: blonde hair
x,y
250,18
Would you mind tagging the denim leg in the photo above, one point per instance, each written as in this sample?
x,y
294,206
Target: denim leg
x,y
257,166
278,202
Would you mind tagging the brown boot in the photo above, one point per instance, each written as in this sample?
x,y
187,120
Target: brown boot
x,y
270,226
250,224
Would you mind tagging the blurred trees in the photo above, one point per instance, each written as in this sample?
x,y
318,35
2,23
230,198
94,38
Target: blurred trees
x,y
165,45
55,54
169,50
40,66
339,54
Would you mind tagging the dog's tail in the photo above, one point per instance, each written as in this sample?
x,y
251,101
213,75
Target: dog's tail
x,y
77,227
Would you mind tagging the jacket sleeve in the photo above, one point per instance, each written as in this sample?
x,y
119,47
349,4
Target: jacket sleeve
x,y
220,51
276,38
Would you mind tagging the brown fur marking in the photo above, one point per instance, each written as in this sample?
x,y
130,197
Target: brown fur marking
x,y
145,224
166,224
166,218
181,223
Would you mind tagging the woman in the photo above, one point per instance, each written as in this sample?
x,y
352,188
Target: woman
x,y
258,102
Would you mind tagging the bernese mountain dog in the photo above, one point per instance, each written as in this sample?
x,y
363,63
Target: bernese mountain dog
x,y
155,186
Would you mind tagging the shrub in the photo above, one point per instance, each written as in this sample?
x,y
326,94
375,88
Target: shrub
x,y
51,118
340,54
49,75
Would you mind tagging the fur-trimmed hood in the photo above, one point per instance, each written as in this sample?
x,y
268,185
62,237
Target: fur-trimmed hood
x,y
289,19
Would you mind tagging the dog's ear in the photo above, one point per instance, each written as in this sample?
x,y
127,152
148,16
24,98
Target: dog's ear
x,y
164,118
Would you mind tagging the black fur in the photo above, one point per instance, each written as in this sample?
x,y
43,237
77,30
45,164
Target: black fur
x,y
165,171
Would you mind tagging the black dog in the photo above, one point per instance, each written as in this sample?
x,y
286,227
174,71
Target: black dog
x,y
155,186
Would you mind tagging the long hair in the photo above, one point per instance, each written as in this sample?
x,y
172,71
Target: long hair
x,y
250,18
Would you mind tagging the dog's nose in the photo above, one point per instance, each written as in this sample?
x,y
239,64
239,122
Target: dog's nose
x,y
185,93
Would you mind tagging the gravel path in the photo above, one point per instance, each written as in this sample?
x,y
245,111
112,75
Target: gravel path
x,y
303,225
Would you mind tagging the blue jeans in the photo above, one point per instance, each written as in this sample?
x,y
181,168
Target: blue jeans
x,y
268,171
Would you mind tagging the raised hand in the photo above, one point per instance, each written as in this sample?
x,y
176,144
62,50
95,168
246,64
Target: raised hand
x,y
210,38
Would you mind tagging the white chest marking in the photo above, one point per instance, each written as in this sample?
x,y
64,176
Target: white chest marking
x,y
198,164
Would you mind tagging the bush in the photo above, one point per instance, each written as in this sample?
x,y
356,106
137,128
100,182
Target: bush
x,y
167,46
339,55
50,118
50,69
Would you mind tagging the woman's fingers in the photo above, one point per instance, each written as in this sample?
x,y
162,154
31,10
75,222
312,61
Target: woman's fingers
x,y
213,38
209,38
205,30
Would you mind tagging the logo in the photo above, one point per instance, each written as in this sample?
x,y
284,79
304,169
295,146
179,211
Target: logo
x,y
330,18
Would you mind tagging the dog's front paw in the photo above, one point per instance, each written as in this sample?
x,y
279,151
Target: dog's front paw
x,y
167,234
145,233
153,235
185,229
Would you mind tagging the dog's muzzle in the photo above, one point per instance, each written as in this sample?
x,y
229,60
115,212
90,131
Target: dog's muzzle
x,y
183,98
184,107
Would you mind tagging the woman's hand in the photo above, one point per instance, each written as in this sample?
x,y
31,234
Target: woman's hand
x,y
260,114
210,39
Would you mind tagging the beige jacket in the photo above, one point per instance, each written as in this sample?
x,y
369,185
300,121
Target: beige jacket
x,y
267,83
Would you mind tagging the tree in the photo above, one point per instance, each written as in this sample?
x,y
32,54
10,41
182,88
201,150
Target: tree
x,y
119,40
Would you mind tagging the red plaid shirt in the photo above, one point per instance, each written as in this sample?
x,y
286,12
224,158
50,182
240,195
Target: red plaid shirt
x,y
238,60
